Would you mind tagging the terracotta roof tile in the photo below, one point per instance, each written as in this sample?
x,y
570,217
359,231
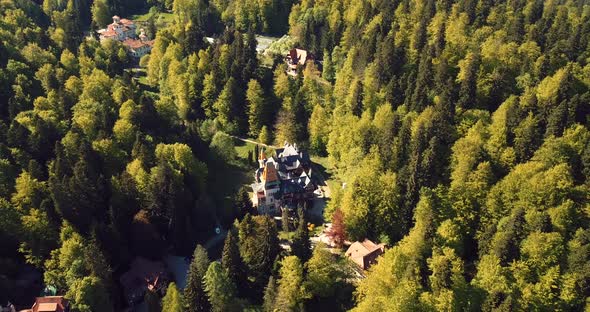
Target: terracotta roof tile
x,y
270,174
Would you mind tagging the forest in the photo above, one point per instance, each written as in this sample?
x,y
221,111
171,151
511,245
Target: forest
x,y
458,133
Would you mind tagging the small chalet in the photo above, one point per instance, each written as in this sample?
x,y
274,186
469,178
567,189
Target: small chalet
x,y
365,253
296,58
282,180
50,304
144,274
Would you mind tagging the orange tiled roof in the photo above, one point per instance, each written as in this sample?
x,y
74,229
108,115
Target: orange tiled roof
x,y
134,43
109,33
270,173
125,21
50,304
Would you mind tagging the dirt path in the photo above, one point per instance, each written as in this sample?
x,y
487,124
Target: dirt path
x,y
251,141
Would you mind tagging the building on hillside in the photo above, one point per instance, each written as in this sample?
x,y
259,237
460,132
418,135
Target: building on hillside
x,y
296,58
138,47
124,30
282,180
143,274
50,304
365,253
120,29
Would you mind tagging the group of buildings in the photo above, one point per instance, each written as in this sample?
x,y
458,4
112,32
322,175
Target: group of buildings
x,y
283,180
125,30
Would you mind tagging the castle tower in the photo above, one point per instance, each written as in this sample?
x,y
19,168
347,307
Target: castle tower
x,y
261,158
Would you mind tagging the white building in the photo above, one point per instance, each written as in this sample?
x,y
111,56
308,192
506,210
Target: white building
x,y
120,29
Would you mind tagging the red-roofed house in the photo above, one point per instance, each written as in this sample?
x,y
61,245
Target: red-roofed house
x,y
50,304
365,253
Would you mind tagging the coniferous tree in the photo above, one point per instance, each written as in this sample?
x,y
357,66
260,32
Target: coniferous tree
x,y
243,203
270,295
256,109
290,285
301,246
231,261
220,289
172,301
195,297
285,219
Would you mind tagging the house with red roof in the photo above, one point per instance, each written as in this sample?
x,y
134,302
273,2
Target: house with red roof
x,y
50,304
364,253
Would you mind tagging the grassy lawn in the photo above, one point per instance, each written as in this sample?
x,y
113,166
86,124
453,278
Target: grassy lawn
x,y
327,171
242,148
286,235
160,17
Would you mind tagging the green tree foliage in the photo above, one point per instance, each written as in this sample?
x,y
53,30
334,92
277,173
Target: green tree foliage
x,y
220,289
301,246
259,247
270,295
256,107
172,301
78,268
457,132
323,275
194,292
101,13
223,146
291,293
243,202
231,261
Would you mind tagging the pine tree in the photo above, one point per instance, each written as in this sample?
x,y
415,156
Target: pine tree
x,y
256,109
243,203
231,261
270,295
172,301
301,246
220,289
224,106
285,219
264,137
194,293
468,78
290,290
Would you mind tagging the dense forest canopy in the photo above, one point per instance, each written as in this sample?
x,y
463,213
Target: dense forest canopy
x,y
460,131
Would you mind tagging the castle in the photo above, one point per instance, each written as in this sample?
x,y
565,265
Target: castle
x,y
282,180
